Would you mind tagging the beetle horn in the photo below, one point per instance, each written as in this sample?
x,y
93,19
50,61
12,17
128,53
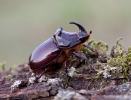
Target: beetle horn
x,y
81,28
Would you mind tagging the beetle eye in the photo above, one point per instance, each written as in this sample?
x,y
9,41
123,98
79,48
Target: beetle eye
x,y
84,38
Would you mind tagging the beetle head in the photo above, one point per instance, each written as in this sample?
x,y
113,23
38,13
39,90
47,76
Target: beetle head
x,y
82,34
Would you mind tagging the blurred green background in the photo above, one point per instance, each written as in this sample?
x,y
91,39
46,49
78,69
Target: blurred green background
x,y
24,24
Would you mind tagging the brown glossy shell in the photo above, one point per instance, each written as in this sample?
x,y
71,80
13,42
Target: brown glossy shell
x,y
44,54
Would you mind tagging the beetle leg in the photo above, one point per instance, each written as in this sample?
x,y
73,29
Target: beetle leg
x,y
80,55
38,77
65,66
89,47
83,57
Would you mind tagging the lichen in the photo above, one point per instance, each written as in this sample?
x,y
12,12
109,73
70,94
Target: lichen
x,y
71,72
68,95
105,71
15,86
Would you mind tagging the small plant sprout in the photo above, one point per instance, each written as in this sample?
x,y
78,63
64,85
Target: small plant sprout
x,y
12,68
2,64
118,48
8,76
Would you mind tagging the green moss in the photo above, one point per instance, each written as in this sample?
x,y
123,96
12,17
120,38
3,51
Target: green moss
x,y
121,58
100,47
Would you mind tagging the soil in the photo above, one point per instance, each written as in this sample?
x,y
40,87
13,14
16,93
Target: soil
x,y
82,86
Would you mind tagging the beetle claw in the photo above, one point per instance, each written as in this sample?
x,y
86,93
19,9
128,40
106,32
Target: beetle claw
x,y
36,80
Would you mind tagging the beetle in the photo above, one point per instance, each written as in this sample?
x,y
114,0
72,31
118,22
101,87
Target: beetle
x,y
55,51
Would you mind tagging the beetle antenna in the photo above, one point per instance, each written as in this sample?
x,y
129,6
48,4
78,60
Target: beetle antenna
x,y
80,26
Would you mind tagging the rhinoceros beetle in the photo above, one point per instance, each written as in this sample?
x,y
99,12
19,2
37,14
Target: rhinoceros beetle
x,y
55,51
